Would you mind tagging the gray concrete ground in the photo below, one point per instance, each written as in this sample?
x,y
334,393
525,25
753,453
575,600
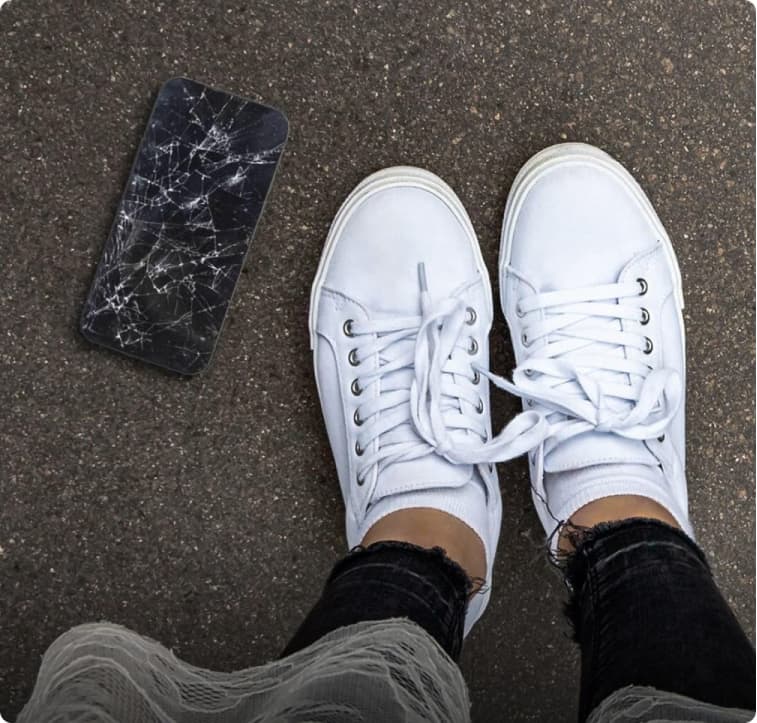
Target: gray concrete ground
x,y
204,512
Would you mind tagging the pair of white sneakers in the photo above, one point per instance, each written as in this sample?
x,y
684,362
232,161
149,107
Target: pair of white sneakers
x,y
400,314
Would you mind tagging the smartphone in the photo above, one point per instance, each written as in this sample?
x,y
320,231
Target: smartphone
x,y
184,225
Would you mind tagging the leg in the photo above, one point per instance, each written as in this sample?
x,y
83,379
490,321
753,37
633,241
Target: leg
x,y
592,294
646,611
391,580
422,564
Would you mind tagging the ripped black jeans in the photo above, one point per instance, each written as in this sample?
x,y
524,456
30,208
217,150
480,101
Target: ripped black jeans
x,y
644,607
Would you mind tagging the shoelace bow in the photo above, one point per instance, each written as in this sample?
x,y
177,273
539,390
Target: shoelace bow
x,y
587,375
428,401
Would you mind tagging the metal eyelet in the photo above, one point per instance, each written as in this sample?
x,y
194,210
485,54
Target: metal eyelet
x,y
476,377
648,345
355,388
473,348
480,406
644,316
470,316
528,372
347,327
352,358
524,339
356,418
661,438
518,311
643,285
359,451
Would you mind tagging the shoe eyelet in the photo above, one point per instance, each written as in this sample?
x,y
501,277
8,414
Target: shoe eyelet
x,y
528,372
644,316
524,339
643,285
473,348
480,406
355,388
352,358
518,311
360,481
648,345
359,451
661,438
356,418
476,377
347,327
470,316
529,402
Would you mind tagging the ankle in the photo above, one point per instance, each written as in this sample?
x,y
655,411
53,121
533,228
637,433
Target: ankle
x,y
614,509
429,528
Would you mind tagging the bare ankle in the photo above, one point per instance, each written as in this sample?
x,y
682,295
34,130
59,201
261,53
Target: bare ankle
x,y
427,527
613,509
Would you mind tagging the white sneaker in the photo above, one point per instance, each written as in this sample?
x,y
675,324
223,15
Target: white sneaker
x,y
400,314
591,291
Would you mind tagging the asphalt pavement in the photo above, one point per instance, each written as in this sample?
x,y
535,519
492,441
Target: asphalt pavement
x,y
204,512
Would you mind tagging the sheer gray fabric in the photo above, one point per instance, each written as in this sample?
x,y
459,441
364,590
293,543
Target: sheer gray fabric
x,y
374,671
377,671
636,704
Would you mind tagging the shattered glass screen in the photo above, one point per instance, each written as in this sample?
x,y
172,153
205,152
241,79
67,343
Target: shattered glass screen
x,y
184,225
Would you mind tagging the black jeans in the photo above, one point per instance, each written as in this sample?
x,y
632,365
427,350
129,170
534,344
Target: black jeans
x,y
646,611
644,608
392,580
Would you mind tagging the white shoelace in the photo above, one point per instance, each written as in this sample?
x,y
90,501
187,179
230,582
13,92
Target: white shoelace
x,y
586,375
428,401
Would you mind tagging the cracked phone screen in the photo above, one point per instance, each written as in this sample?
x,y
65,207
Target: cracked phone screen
x,y
184,225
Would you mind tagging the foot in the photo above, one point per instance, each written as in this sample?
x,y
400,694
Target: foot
x,y
400,314
591,291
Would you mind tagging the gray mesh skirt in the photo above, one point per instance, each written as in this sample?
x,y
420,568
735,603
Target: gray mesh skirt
x,y
377,671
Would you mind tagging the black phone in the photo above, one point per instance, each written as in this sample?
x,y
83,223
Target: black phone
x,y
184,226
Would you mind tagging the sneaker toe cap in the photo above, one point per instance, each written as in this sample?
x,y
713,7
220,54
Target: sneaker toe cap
x,y
383,239
578,224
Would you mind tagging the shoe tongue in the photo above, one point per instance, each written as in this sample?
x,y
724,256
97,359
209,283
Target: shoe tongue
x,y
429,472
592,448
